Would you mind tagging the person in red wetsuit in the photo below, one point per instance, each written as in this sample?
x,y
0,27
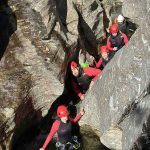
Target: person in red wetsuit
x,y
116,40
101,63
83,78
63,128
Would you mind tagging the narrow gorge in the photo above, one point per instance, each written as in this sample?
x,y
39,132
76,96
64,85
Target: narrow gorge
x,y
43,36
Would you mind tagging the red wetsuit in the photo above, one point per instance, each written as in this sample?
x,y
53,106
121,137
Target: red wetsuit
x,y
98,64
87,73
118,41
56,127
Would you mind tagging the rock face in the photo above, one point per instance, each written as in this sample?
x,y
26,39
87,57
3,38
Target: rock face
x,y
136,10
70,18
28,80
121,96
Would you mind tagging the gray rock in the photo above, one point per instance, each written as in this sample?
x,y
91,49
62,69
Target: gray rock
x,y
136,126
117,96
27,86
112,138
65,21
135,10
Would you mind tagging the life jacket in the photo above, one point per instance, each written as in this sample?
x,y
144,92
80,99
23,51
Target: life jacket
x,y
65,132
83,81
117,41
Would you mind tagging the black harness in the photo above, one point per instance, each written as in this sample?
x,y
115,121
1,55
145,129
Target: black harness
x,y
65,132
66,139
83,81
117,41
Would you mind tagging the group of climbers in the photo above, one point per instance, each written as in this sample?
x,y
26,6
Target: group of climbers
x,y
81,80
116,40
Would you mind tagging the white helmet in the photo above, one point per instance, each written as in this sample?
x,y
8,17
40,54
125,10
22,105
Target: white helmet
x,y
120,18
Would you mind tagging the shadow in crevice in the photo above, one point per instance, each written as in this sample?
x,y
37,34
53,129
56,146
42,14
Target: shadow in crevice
x,y
57,13
106,20
26,120
61,13
143,142
71,53
94,6
8,24
61,7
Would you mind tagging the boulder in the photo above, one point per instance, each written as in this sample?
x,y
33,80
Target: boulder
x,y
120,96
135,10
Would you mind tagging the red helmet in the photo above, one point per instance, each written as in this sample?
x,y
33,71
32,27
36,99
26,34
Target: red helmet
x,y
104,49
62,111
74,65
114,28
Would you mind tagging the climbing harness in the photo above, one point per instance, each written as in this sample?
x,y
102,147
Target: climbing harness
x,y
74,144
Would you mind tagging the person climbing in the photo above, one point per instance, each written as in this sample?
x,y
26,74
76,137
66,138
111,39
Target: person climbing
x,y
63,127
123,24
116,40
83,78
103,60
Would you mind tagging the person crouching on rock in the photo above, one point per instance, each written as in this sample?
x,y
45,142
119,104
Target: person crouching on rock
x,y
63,128
83,78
